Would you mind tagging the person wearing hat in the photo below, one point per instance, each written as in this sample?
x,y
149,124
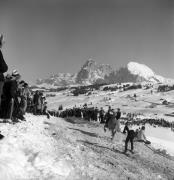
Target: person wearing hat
x,y
3,68
15,73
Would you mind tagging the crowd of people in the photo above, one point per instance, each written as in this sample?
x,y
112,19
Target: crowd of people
x,y
85,112
100,115
154,122
160,122
16,98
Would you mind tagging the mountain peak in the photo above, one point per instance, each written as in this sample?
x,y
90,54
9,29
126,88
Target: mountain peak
x,y
91,72
89,63
140,70
146,73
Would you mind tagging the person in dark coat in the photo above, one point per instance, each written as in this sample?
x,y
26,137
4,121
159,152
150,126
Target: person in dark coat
x,y
130,136
9,91
118,114
102,113
3,68
112,123
35,102
17,111
10,101
107,117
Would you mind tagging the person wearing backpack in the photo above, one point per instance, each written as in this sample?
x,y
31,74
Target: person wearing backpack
x,y
3,67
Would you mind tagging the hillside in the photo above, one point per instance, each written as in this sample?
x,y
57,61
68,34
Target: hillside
x,y
74,150
148,105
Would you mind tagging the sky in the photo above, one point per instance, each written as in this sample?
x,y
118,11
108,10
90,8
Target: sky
x,y
46,37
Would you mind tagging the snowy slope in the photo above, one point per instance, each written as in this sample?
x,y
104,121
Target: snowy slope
x,y
140,70
73,149
146,73
27,151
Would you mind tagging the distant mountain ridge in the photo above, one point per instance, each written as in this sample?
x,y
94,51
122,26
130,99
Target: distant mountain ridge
x,y
93,73
60,79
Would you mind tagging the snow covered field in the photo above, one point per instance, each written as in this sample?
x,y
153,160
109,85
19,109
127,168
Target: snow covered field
x,y
161,138
28,151
72,149
149,105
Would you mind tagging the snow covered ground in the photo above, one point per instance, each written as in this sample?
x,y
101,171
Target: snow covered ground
x,y
147,104
161,138
73,149
28,151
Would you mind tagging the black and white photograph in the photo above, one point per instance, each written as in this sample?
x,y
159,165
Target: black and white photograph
x,y
86,89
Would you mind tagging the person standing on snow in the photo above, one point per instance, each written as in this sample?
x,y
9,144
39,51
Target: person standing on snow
x,y
11,103
112,123
3,68
101,113
35,102
107,117
118,116
130,136
24,97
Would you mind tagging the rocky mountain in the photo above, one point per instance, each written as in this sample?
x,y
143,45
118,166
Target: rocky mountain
x,y
92,73
60,79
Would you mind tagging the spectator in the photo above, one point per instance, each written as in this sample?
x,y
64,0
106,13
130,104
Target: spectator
x,y
25,94
3,68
